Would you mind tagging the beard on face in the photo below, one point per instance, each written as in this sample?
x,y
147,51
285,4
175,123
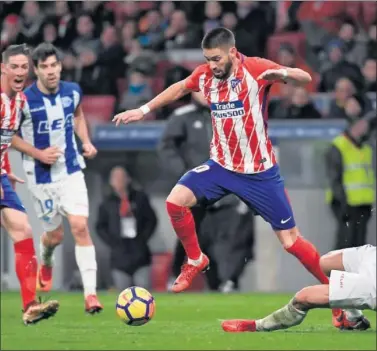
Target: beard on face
x,y
49,85
227,68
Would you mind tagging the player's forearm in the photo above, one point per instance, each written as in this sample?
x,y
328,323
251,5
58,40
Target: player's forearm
x,y
298,76
81,129
173,93
23,146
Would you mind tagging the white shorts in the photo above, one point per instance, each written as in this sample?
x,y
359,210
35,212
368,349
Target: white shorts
x,y
356,286
68,196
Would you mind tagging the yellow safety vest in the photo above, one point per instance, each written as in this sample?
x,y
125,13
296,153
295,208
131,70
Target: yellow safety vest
x,y
358,174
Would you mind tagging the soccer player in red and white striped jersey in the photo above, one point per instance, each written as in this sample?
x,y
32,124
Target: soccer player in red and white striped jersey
x,y
14,71
242,160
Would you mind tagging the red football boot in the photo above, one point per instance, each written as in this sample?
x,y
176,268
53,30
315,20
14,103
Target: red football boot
x,y
44,278
239,326
188,273
337,318
92,304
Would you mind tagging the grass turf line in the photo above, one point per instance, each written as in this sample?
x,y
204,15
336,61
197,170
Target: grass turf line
x,y
182,322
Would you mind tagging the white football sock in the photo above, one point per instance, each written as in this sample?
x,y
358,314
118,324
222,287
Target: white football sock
x,y
353,314
46,253
86,261
286,317
196,262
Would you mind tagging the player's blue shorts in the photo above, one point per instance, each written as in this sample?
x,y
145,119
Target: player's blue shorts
x,y
263,192
10,198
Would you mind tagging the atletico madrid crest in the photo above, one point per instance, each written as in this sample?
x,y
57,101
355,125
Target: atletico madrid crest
x,y
236,85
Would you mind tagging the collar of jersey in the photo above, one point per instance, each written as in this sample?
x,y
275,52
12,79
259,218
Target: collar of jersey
x,y
52,95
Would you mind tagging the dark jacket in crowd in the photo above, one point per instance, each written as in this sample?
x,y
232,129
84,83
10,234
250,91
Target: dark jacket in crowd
x,y
307,111
339,70
127,254
185,142
185,145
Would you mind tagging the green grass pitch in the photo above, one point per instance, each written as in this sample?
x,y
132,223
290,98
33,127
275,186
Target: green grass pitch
x,y
182,322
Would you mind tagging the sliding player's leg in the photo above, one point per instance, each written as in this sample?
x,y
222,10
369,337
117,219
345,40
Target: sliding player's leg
x,y
197,185
288,316
318,296
265,193
352,288
359,260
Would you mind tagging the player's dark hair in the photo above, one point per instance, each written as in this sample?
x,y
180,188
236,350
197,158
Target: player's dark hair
x,y
44,51
13,50
218,37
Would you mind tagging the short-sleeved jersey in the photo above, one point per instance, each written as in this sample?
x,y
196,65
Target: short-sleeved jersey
x,y
11,110
48,120
238,105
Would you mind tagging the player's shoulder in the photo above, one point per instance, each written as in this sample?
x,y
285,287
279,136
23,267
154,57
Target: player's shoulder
x,y
69,87
30,91
253,61
184,109
201,69
22,96
257,65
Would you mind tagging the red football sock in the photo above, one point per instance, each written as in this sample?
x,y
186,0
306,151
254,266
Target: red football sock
x,y
309,257
26,269
184,225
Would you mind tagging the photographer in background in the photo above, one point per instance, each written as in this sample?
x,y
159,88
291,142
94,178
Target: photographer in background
x,y
349,164
125,222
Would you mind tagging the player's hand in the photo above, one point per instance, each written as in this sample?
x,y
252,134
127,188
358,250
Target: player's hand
x,y
89,151
14,179
273,74
49,155
1,192
128,116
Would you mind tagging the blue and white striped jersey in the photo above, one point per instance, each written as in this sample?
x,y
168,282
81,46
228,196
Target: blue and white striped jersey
x,y
48,120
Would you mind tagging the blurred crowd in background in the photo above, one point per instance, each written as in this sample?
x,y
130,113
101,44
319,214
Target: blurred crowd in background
x,y
121,49
124,53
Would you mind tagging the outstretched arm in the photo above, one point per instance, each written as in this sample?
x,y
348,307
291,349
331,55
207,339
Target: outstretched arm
x,y
173,93
286,74
273,72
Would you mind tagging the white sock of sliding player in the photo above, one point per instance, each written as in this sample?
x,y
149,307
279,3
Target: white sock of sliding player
x,y
86,261
353,314
284,318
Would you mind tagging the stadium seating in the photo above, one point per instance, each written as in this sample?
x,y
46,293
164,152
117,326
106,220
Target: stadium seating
x,y
98,108
297,40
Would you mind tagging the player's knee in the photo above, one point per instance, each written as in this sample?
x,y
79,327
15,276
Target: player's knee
x,y
302,297
325,263
287,239
56,236
181,196
21,231
79,228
